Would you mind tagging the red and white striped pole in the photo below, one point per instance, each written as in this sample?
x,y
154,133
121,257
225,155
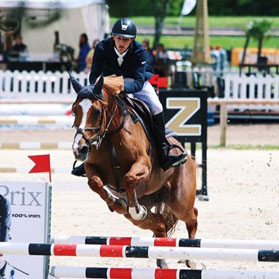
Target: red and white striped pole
x,y
117,251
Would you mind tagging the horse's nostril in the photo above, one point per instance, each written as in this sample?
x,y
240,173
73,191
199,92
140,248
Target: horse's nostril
x,y
84,150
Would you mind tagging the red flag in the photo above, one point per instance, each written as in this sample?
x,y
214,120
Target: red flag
x,y
42,164
162,82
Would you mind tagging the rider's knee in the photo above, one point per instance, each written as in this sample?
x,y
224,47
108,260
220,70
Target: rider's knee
x,y
157,108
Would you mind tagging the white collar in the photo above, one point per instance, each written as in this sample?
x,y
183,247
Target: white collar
x,y
120,56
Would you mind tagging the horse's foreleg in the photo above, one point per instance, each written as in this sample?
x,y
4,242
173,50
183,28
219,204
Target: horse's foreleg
x,y
96,184
139,172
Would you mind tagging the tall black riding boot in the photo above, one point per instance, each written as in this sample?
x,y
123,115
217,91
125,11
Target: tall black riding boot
x,y
163,146
79,170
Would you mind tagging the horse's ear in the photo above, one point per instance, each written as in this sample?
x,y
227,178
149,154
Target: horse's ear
x,y
76,85
99,86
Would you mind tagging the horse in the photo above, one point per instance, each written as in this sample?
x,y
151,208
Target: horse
x,y
122,167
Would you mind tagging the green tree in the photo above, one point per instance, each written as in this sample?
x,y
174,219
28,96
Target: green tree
x,y
128,8
247,40
160,10
118,8
257,30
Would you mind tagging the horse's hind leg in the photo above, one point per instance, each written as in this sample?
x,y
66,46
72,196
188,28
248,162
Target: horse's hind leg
x,y
192,223
156,223
182,198
153,221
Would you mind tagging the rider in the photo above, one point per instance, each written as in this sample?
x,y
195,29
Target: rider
x,y
121,55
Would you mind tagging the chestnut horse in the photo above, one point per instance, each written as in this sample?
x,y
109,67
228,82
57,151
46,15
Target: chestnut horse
x,y
123,168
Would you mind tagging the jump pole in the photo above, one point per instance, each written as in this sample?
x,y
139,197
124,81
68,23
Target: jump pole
x,y
169,242
117,251
150,273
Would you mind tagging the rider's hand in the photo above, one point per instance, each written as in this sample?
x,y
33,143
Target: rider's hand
x,y
115,84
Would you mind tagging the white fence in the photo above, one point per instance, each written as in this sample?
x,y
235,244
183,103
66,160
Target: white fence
x,y
56,86
242,87
40,85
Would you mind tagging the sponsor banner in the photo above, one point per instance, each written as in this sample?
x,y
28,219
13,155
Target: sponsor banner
x,y
272,55
30,222
185,112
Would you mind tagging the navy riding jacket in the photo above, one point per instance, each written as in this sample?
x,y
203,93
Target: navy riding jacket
x,y
5,218
133,66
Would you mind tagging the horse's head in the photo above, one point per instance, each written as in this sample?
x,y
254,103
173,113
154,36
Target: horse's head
x,y
89,112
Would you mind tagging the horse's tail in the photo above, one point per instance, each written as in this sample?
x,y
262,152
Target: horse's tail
x,y
170,219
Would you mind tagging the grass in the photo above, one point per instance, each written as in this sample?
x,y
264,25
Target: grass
x,y
225,42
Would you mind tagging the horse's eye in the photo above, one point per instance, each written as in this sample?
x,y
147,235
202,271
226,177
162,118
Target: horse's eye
x,y
96,113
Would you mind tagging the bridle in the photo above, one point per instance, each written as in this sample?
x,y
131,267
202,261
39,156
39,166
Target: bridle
x,y
99,137
105,135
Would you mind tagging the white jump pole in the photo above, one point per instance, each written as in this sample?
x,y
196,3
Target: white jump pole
x,y
169,242
139,273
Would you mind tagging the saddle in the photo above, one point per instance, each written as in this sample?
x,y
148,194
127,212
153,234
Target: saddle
x,y
139,111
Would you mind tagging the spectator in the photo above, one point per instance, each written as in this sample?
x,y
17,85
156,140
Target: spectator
x,y
19,49
162,65
5,225
89,56
84,48
150,59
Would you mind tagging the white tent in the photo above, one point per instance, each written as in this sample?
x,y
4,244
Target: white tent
x,y
82,16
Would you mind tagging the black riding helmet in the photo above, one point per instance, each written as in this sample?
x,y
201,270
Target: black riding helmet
x,y
124,27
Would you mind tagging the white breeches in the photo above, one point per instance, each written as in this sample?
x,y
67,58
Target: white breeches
x,y
149,97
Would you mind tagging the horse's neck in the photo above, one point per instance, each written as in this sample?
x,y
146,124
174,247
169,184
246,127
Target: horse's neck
x,y
114,112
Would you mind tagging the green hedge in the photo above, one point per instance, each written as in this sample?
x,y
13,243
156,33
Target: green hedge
x,y
128,8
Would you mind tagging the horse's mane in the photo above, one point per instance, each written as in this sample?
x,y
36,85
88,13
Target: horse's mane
x,y
114,84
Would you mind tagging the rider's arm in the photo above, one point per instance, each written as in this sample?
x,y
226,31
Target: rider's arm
x,y
139,73
97,63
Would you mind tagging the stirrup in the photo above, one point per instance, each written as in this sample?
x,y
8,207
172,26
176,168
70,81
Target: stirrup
x,y
169,161
182,156
180,162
